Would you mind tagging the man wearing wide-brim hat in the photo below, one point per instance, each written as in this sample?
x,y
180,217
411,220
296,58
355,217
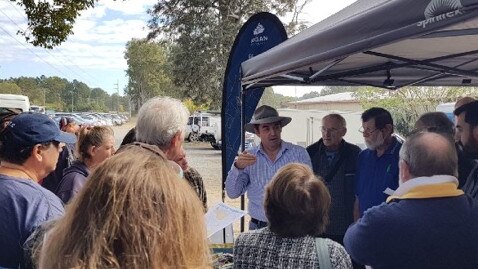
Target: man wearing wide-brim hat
x,y
253,169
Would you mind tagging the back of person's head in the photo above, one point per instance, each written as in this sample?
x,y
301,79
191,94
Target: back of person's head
x,y
436,122
6,115
382,117
68,124
91,137
471,113
159,119
297,202
428,154
133,212
463,101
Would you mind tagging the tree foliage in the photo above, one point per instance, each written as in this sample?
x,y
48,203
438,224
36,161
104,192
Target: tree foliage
x,y
407,104
202,32
10,87
60,94
337,89
51,22
310,95
270,98
148,71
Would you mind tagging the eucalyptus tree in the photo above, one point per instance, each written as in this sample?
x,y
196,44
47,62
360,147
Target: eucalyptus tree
x,y
203,32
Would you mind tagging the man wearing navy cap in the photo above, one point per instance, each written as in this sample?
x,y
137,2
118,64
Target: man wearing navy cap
x,y
467,131
29,149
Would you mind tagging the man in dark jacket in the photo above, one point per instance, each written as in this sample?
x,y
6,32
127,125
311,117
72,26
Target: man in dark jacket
x,y
335,161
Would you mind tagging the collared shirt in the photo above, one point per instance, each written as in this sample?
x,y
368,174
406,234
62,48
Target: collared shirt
x,y
438,186
375,174
254,178
427,220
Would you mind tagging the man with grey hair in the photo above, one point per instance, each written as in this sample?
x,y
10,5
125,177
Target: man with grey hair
x,y
427,222
162,122
335,160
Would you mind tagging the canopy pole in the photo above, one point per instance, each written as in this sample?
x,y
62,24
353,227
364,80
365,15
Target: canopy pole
x,y
243,146
447,69
326,68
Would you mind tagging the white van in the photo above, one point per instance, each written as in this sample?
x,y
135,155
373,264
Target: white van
x,y
15,101
204,126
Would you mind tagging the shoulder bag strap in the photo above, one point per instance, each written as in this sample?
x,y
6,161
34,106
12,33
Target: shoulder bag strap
x,y
322,251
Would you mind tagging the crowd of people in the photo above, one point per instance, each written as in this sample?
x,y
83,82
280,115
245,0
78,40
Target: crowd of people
x,y
68,199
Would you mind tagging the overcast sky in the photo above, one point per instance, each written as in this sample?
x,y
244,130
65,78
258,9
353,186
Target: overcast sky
x,y
94,54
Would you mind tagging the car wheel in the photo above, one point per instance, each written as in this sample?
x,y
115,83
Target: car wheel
x,y
193,137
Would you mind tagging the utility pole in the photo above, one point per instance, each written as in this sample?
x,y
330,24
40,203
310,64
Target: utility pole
x,y
117,90
72,96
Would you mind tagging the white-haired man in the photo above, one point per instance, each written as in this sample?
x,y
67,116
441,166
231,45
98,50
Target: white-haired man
x,y
162,122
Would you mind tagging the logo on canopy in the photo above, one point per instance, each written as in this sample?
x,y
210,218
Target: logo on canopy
x,y
439,7
439,10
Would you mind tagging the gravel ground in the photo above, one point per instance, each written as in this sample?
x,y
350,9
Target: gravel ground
x,y
203,158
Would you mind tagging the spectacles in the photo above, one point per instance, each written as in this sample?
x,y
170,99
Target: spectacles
x,y
367,131
331,130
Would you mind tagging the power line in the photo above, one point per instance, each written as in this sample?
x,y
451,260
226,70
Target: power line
x,y
19,42
45,49
65,57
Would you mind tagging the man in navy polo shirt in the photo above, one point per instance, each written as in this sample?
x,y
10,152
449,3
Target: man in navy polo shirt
x,y
377,166
29,149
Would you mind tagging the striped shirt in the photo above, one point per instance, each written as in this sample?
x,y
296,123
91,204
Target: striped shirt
x,y
254,178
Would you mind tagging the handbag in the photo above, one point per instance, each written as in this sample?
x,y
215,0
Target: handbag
x,y
322,251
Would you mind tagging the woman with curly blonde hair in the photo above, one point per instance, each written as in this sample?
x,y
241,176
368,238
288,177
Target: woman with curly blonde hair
x,y
134,212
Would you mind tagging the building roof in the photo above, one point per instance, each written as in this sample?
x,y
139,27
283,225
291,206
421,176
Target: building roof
x,y
337,97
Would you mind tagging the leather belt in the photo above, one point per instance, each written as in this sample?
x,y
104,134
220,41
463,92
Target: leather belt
x,y
258,222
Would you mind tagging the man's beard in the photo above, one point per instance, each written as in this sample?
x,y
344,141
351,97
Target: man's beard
x,y
471,147
373,145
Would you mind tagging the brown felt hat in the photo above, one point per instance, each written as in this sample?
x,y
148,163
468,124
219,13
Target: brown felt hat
x,y
266,114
